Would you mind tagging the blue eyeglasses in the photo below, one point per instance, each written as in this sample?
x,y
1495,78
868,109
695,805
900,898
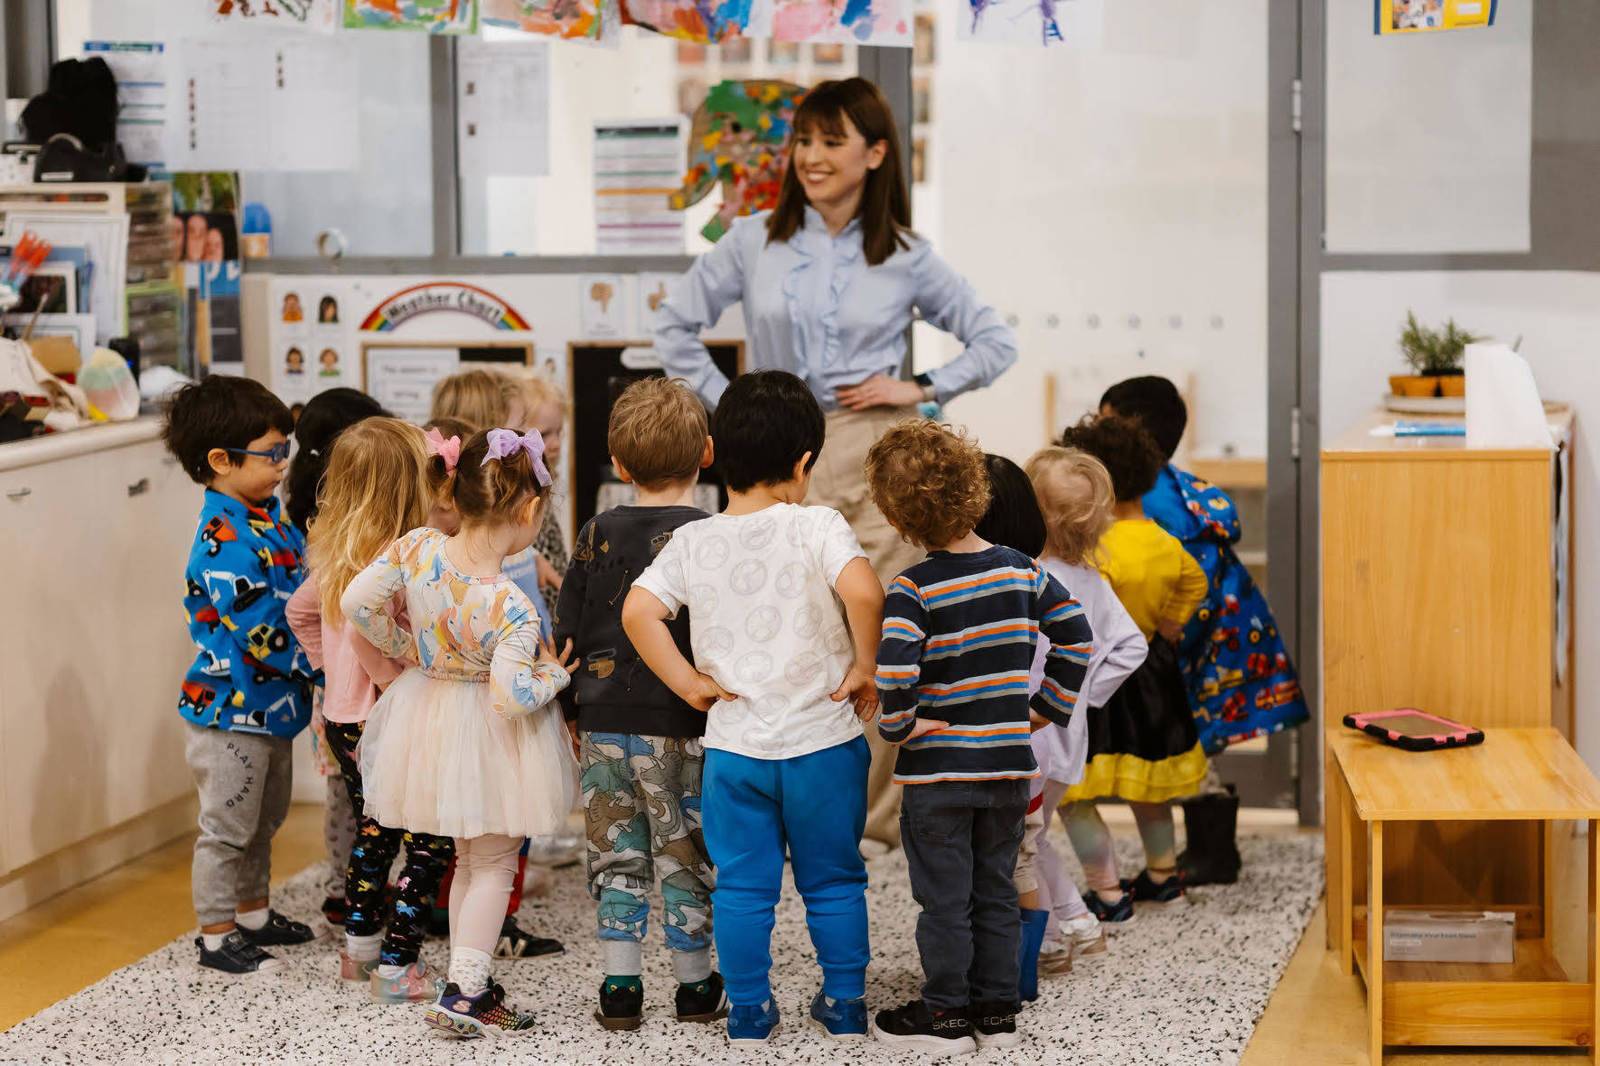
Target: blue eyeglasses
x,y
275,454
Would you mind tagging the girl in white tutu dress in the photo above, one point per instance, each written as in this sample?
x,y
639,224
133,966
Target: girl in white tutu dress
x,y
470,743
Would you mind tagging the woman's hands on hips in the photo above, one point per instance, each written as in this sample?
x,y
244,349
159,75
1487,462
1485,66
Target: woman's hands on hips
x,y
879,390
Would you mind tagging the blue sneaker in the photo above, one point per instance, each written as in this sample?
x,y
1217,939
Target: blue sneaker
x,y
844,1019
753,1024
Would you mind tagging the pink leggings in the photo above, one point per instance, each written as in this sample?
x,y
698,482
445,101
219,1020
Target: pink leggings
x,y
485,868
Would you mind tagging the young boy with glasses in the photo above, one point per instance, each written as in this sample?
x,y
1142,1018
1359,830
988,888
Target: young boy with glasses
x,y
249,690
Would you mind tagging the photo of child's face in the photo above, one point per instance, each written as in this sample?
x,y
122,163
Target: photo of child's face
x,y
291,307
328,310
294,361
194,245
213,246
329,362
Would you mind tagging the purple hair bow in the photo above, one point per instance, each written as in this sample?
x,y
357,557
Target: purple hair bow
x,y
504,443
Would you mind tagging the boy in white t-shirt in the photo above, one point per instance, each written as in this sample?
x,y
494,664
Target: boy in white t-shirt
x,y
787,613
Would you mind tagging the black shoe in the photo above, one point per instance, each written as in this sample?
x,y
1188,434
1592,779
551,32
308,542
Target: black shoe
x,y
1211,823
278,931
1144,889
940,1032
236,955
516,944
1115,915
702,1001
333,910
994,1024
438,921
621,1004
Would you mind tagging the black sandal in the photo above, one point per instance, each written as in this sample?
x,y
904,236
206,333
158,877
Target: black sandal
x,y
516,944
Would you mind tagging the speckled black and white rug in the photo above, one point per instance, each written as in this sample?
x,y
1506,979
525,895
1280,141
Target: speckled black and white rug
x,y
1181,985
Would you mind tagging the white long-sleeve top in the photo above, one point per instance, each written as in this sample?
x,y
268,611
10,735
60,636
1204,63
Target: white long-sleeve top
x,y
1119,649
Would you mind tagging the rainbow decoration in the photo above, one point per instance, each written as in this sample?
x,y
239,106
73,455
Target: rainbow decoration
x,y
455,297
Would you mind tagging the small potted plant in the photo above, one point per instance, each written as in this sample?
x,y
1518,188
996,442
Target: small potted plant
x,y
1434,356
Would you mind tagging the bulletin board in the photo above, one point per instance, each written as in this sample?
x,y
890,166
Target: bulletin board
x,y
597,372
400,375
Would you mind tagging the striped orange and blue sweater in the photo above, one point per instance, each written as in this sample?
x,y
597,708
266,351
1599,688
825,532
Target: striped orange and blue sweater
x,y
959,631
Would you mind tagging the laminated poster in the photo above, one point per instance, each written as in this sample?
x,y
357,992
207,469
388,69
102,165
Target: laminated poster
x,y
572,20
1429,16
429,16
702,21
604,309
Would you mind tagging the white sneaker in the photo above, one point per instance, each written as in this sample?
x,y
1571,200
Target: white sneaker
x,y
1055,957
1087,937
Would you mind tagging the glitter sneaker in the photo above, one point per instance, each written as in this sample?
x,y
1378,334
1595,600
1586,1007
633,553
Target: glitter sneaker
x,y
416,985
465,1017
356,969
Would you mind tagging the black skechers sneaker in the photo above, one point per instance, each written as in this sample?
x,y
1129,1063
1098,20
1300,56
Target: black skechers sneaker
x,y
914,1026
995,1024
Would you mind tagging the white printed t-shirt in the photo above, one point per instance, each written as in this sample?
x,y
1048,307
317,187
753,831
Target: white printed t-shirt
x,y
765,623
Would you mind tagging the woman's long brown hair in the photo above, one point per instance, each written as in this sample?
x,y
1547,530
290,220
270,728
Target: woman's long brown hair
x,y
885,211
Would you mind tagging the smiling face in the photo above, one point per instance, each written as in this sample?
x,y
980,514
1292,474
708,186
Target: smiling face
x,y
194,248
213,246
832,165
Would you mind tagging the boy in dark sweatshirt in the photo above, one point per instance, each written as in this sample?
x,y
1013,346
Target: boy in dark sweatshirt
x,y
639,744
959,631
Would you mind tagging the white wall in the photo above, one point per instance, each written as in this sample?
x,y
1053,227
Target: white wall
x,y
1124,175
1557,315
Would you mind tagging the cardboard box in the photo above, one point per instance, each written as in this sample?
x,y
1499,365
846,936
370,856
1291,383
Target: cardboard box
x,y
1449,936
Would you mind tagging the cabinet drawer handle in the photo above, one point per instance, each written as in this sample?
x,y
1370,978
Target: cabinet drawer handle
x,y
140,487
19,494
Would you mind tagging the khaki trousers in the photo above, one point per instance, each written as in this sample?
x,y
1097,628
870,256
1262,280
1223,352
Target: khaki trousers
x,y
839,481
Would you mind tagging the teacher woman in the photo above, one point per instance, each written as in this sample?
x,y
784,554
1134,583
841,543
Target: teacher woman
x,y
830,280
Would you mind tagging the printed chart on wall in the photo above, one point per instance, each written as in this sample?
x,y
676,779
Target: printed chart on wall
x,y
1428,16
275,103
402,379
321,16
428,16
142,70
311,338
637,164
503,107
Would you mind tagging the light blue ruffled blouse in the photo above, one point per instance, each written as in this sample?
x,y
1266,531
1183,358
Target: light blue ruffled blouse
x,y
813,307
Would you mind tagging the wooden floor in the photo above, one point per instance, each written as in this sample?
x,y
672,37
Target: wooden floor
x,y
1317,1017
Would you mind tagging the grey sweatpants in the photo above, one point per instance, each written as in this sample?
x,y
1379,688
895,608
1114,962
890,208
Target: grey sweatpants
x,y
244,781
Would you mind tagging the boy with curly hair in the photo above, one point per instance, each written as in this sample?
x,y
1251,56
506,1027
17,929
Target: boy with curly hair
x,y
959,631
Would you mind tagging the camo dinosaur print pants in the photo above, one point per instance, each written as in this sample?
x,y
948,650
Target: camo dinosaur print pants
x,y
641,796
367,880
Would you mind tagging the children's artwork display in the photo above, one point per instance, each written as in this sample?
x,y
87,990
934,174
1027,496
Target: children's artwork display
x,y
877,22
430,16
1426,16
1009,22
567,19
319,15
739,140
703,21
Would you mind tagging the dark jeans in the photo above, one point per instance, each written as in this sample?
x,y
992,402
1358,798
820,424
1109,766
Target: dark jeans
x,y
367,879
961,841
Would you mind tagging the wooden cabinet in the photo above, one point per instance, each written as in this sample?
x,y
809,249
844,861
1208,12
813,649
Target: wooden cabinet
x,y
93,643
1442,588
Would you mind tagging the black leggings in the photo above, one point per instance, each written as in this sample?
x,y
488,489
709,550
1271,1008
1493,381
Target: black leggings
x,y
376,846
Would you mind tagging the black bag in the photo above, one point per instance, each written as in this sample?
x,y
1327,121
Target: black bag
x,y
75,119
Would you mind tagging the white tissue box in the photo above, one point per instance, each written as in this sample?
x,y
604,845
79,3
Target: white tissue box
x,y
1449,936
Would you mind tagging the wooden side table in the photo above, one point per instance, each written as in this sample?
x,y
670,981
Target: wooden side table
x,y
1527,775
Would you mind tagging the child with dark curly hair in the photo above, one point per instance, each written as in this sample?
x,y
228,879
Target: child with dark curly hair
x,y
1143,747
959,630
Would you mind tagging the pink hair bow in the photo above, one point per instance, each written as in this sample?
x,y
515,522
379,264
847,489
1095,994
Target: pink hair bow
x,y
448,450
504,443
